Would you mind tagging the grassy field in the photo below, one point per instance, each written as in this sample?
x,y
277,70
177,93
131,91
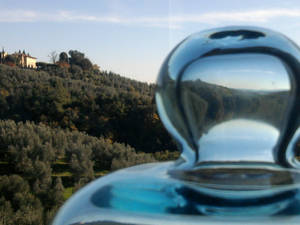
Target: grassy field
x,y
68,192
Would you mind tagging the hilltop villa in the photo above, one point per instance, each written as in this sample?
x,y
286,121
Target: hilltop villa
x,y
25,60
22,59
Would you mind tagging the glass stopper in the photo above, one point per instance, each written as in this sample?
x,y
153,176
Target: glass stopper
x,y
231,95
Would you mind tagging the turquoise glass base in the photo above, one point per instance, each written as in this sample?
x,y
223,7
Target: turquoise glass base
x,y
211,194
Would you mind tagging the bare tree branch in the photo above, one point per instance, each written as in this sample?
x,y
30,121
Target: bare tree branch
x,y
53,57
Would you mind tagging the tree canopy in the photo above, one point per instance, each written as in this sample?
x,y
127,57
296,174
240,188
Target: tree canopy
x,y
65,124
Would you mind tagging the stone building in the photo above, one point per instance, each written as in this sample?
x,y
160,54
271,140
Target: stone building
x,y
19,58
25,60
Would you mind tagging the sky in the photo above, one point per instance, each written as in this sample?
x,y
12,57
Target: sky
x,y
241,71
131,37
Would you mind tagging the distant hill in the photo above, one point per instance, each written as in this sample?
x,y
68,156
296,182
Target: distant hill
x,y
62,127
98,103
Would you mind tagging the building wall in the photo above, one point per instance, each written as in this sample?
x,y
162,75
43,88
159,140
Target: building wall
x,y
30,62
23,60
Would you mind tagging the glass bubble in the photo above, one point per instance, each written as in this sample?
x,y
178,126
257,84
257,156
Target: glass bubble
x,y
230,98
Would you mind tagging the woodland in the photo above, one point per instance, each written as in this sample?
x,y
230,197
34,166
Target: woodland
x,y
63,125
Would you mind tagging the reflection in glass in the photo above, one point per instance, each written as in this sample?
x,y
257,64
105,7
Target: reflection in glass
x,y
239,140
229,97
249,72
216,89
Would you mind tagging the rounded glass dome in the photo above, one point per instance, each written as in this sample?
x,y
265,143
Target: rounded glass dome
x,y
230,95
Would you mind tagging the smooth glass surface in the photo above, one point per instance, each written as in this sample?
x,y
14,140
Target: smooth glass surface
x,y
239,140
235,105
147,194
229,97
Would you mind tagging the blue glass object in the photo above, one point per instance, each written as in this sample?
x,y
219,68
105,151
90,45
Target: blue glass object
x,y
230,98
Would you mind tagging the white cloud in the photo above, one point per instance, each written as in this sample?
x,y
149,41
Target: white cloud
x,y
17,15
173,22
242,16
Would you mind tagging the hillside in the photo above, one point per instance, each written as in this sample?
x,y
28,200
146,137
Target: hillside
x,y
98,103
61,127
41,166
